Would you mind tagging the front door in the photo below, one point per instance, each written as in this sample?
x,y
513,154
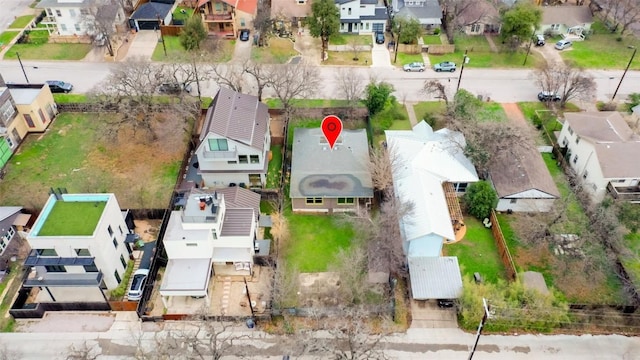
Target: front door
x,y
350,27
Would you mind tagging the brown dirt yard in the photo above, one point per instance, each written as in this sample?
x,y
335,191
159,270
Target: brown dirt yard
x,y
75,153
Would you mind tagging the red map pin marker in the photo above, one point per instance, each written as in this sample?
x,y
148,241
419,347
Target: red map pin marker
x,y
331,128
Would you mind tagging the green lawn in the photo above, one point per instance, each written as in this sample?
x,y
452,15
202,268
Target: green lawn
x,y
7,36
178,15
404,58
346,58
477,252
601,50
279,51
431,108
630,260
275,167
431,40
174,49
69,98
481,56
21,21
315,240
492,111
392,118
349,39
72,218
38,48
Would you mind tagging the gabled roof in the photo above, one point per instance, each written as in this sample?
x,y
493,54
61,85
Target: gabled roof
x,y
379,14
287,9
479,12
237,116
248,6
430,11
423,160
613,140
435,277
568,15
522,169
151,11
237,222
8,211
316,170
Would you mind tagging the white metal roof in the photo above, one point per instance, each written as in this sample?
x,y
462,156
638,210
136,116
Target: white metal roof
x,y
186,277
435,277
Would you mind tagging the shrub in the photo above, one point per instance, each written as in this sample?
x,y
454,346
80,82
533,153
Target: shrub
x,y
480,199
606,106
430,118
436,31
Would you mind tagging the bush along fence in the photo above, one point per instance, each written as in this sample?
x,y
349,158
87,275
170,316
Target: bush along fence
x,y
503,249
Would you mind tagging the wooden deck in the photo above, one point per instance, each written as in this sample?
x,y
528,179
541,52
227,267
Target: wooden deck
x,y
455,212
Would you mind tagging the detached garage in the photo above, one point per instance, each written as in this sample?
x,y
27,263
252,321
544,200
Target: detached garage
x,y
146,15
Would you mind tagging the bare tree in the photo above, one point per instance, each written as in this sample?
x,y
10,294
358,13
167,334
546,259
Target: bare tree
x,y
350,85
382,162
386,251
130,91
82,352
260,75
436,89
228,75
100,22
351,267
622,13
565,80
292,81
451,10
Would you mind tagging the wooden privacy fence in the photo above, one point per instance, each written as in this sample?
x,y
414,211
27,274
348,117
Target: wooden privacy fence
x,y
503,250
440,49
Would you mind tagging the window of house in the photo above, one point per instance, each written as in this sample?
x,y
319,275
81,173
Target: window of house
x,y
345,201
7,111
366,26
475,28
120,228
224,7
255,179
242,22
232,162
83,252
63,27
55,268
218,6
513,201
29,120
242,159
619,181
555,26
578,139
115,243
110,230
586,173
301,2
575,159
218,145
314,201
10,142
192,244
58,13
570,130
118,279
565,142
72,12
123,261
84,11
47,252
349,11
49,12
460,187
42,117
77,27
255,159
90,268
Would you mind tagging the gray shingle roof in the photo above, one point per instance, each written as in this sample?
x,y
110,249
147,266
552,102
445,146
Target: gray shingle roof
x,y
430,10
435,277
520,170
151,11
237,116
380,14
43,4
568,15
316,170
240,198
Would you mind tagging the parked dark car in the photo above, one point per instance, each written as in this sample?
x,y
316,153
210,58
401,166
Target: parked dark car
x,y
446,303
539,40
244,35
548,96
174,88
379,38
57,86
137,285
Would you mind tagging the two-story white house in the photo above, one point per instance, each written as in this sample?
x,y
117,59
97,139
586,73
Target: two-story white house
x,y
235,141
77,17
362,16
602,149
78,248
214,232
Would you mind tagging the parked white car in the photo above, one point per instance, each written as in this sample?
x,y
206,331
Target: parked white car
x,y
563,44
414,66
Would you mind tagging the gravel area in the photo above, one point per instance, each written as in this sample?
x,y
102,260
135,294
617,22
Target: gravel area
x,y
68,322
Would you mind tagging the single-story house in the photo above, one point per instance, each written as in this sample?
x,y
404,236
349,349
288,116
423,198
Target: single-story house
x,y
566,20
480,17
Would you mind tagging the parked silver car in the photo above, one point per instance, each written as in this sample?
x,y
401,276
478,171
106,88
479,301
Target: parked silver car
x,y
563,44
137,285
414,66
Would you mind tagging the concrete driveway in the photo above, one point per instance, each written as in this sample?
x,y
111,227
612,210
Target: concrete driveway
x,y
380,56
549,53
242,50
143,44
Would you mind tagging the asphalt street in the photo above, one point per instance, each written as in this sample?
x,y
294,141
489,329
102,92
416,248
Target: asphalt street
x,y
500,85
121,343
10,9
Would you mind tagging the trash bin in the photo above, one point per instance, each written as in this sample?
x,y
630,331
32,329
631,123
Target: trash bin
x,y
250,323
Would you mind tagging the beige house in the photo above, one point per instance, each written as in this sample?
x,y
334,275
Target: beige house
x,y
293,10
226,17
23,109
566,20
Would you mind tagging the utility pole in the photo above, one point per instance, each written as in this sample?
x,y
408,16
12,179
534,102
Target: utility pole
x,y
529,48
22,67
464,60
164,47
623,74
482,322
395,57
